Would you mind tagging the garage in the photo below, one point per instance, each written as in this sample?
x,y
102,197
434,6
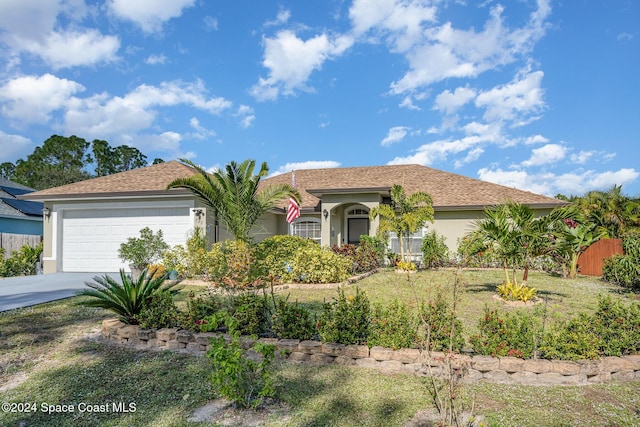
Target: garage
x,y
91,237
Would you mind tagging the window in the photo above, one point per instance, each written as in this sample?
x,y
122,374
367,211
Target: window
x,y
307,229
412,243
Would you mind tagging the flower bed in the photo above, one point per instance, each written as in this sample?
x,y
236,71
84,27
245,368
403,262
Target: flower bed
x,y
508,370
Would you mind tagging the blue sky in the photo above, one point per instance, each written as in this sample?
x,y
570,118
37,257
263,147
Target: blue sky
x,y
539,95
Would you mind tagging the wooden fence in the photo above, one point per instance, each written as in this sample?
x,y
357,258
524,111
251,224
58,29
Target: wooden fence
x,y
13,242
591,261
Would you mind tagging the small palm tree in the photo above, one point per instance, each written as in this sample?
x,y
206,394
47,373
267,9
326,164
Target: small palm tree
x,y
127,297
405,215
233,194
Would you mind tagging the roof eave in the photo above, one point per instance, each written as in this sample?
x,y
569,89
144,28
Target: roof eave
x,y
110,195
546,205
319,192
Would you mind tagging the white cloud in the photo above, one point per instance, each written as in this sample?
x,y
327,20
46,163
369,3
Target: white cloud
x,y
282,18
201,132
472,156
625,36
432,152
291,60
210,23
149,15
545,155
582,157
246,116
399,21
570,183
14,146
446,52
536,139
396,134
156,59
310,164
32,99
449,102
515,101
102,114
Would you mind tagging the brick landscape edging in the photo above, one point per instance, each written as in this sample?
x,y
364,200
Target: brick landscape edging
x,y
504,370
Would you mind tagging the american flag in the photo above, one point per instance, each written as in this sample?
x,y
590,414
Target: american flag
x,y
293,211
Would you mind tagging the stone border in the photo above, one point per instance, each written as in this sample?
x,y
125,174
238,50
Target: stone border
x,y
503,370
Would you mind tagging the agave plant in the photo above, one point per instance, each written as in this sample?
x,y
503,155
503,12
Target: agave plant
x,y
127,296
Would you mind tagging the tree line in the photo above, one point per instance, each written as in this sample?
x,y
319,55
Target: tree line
x,y
67,159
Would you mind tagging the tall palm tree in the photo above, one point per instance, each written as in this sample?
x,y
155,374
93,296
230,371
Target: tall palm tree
x,y
405,215
233,194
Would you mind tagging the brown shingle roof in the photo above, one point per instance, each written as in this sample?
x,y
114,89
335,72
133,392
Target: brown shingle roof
x,y
148,180
446,189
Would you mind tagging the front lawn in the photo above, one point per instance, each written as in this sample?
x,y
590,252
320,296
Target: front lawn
x,y
51,355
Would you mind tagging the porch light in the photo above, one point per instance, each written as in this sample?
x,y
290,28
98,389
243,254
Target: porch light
x,y
325,213
46,212
198,212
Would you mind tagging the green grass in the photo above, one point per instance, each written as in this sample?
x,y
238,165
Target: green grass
x,y
562,298
55,347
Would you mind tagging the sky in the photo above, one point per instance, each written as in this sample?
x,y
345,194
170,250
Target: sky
x,y
538,95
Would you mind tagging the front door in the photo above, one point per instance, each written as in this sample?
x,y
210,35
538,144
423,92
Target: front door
x,y
356,228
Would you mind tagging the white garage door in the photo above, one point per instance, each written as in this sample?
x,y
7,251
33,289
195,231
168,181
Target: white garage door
x,y
91,237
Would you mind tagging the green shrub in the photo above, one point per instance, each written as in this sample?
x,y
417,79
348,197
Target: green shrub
x,y
275,255
363,257
613,330
292,321
346,320
241,272
319,265
435,252
127,296
472,252
377,245
195,261
236,376
573,340
144,250
250,313
160,311
22,262
198,309
393,326
624,270
506,334
442,330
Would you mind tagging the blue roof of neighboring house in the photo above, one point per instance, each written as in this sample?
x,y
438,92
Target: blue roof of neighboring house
x,y
24,206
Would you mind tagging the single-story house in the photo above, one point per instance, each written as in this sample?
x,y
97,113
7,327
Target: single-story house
x,y
87,221
18,216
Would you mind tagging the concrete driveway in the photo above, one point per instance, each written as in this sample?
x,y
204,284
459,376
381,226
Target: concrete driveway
x,y
16,292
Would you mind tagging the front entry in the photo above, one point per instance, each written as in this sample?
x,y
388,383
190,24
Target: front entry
x,y
356,227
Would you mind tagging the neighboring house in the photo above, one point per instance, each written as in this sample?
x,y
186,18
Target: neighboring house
x,y
18,216
89,220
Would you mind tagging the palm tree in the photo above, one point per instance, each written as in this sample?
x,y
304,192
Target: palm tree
x,y
612,212
405,215
517,235
233,195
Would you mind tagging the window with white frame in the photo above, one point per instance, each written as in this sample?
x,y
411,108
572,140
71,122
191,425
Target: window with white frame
x,y
412,243
307,228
